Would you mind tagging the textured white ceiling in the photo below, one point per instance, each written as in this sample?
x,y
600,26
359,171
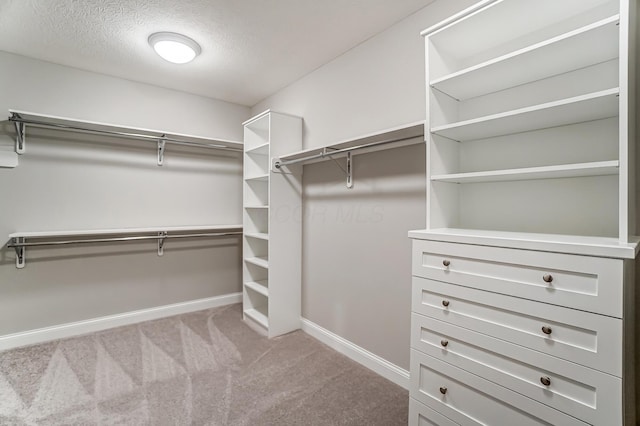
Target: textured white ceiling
x,y
250,48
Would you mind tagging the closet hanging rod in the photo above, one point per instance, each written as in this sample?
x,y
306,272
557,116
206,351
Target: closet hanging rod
x,y
19,242
326,153
42,124
14,243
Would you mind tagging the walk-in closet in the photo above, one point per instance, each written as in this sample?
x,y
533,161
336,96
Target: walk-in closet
x,y
363,212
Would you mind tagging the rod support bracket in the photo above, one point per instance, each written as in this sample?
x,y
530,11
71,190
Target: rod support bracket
x,y
20,136
20,251
349,171
161,144
161,237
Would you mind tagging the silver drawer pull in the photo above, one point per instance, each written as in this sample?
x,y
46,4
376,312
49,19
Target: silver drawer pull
x,y
547,278
446,263
445,303
443,390
444,342
545,380
546,329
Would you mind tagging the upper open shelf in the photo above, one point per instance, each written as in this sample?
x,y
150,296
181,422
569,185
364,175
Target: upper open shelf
x,y
394,137
589,45
493,21
23,119
121,231
578,109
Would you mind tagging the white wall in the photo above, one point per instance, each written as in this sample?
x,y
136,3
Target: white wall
x,y
356,254
38,86
356,265
376,85
69,181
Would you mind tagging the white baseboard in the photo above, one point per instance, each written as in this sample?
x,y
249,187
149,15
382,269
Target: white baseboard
x,y
362,356
71,329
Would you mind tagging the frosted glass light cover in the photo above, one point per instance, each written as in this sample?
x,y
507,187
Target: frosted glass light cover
x,y
174,47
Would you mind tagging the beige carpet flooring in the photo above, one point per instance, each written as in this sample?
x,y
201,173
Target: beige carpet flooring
x,y
203,368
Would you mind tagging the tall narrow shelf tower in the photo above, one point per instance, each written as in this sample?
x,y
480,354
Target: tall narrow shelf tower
x,y
523,287
272,221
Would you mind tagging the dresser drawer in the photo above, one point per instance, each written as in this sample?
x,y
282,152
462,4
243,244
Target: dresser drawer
x,y
581,337
468,399
591,284
589,395
421,415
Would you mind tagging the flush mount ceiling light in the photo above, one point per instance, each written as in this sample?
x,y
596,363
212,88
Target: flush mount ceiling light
x,y
174,47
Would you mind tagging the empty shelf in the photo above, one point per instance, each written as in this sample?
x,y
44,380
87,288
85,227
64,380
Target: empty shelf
x,y
577,49
261,287
121,231
258,317
547,172
263,262
391,138
71,124
261,178
257,235
256,207
495,24
593,106
259,150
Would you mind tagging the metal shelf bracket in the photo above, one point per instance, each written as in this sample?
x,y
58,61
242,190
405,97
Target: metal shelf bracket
x,y
20,251
161,237
348,170
161,144
20,137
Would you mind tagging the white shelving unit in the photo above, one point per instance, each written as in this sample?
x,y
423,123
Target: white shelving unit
x,y
563,67
530,207
272,225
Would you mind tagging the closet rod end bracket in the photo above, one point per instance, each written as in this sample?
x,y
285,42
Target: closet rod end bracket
x,y
278,167
20,133
161,145
17,244
161,237
349,171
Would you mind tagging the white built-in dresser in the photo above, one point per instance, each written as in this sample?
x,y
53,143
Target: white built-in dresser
x,y
523,280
